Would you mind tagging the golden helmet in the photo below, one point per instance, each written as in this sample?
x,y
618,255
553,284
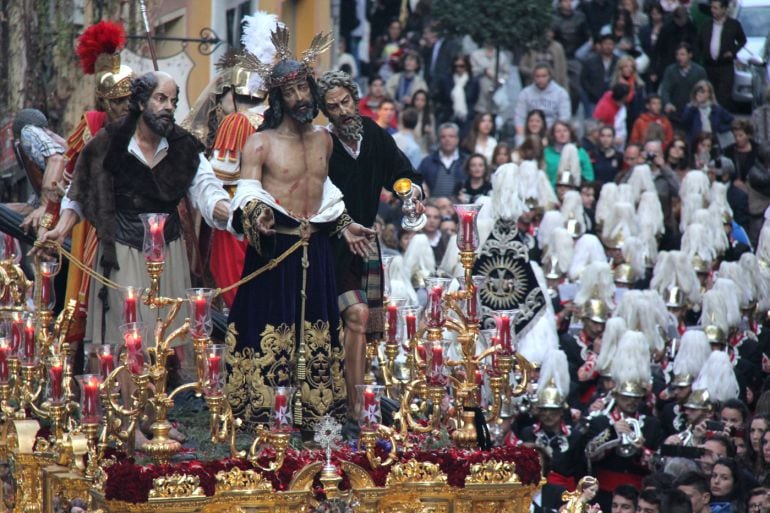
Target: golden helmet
x,y
550,397
575,228
551,268
116,82
701,266
698,400
623,274
615,242
715,334
596,310
567,179
682,380
239,79
674,297
631,389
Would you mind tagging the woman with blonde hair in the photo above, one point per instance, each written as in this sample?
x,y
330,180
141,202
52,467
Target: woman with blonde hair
x,y
704,114
626,73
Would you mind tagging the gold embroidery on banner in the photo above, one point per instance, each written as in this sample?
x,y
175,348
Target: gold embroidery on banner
x,y
253,373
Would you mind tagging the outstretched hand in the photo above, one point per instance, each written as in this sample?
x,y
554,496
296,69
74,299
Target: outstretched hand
x,y
266,221
33,219
359,239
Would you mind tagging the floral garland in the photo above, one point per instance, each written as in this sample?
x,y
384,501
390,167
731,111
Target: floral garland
x,y
129,482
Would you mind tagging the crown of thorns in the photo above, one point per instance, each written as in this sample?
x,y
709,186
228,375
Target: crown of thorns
x,y
273,77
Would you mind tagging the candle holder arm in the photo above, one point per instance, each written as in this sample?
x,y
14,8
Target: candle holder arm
x,y
278,441
454,326
63,322
369,440
406,400
525,368
138,397
195,385
485,354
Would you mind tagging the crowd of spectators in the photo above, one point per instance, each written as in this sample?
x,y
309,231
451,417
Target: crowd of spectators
x,y
626,83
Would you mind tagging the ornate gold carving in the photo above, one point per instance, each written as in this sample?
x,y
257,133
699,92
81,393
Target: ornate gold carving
x,y
303,480
237,480
407,506
359,478
416,472
176,486
492,472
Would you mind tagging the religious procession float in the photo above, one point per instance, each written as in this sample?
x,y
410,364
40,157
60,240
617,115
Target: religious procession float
x,y
433,387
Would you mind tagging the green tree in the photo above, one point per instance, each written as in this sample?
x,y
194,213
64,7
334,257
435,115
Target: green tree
x,y
507,24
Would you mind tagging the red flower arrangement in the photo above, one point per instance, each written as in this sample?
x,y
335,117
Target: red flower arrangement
x,y
129,482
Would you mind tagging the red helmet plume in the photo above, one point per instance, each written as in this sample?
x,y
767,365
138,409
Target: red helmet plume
x,y
105,37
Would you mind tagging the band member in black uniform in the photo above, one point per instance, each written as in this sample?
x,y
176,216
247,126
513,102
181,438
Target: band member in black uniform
x,y
620,441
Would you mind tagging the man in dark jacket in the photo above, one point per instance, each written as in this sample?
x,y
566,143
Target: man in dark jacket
x,y
678,29
678,82
442,170
597,72
437,54
598,13
718,44
570,28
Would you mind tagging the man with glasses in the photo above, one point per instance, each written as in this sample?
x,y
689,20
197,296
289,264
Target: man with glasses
x,y
759,500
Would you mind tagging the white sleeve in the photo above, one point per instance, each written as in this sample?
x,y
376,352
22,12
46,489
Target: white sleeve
x,y
70,204
206,190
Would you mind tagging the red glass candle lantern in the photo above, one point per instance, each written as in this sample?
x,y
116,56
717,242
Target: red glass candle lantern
x,y
216,370
437,356
17,334
369,397
5,355
282,418
436,287
199,306
467,232
106,353
133,341
154,245
408,318
473,303
45,292
391,319
90,405
28,349
132,296
55,368
505,332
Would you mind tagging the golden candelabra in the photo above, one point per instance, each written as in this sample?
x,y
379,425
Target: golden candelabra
x,y
437,384
427,376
